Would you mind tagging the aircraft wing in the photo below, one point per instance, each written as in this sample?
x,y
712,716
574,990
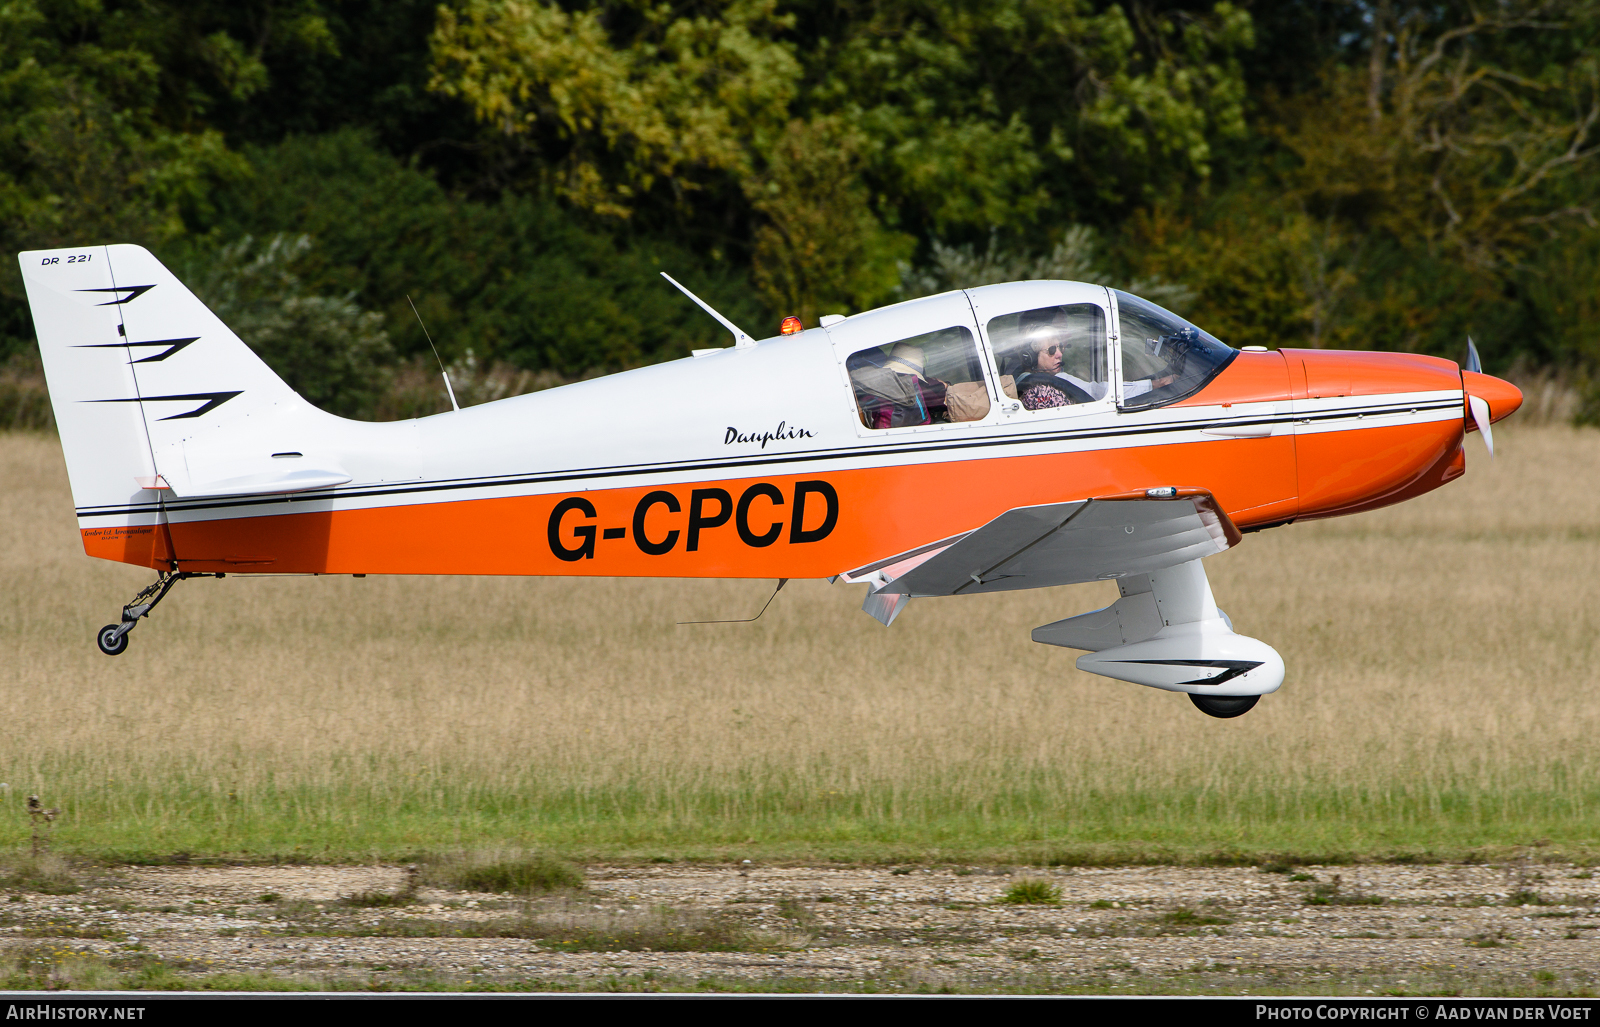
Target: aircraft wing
x,y
1064,544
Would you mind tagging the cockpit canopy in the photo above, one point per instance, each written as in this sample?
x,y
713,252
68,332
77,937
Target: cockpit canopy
x,y
1038,349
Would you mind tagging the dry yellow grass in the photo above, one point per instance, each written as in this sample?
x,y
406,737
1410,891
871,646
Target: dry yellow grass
x,y
1441,696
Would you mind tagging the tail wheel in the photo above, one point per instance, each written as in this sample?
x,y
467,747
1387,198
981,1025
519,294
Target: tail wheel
x,y
111,643
1223,707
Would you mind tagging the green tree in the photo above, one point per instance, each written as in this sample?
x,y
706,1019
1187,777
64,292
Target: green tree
x,y
334,354
86,154
1006,114
848,133
821,249
519,279
675,96
1461,129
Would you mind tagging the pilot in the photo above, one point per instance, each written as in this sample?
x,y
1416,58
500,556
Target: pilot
x,y
1041,383
1047,339
896,392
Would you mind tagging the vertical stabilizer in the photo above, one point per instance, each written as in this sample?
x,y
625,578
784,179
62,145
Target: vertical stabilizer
x,y
77,314
151,391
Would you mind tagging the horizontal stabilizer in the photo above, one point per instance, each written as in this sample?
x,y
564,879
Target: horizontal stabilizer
x,y
242,463
297,480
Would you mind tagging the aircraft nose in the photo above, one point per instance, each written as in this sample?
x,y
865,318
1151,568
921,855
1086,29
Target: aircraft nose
x,y
1503,397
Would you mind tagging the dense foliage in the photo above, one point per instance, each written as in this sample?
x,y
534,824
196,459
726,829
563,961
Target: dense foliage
x,y
1370,173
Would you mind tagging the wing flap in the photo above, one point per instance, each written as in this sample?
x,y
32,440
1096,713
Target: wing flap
x,y
1070,543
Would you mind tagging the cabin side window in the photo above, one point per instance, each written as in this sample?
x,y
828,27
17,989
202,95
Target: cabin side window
x,y
1164,357
935,378
1052,356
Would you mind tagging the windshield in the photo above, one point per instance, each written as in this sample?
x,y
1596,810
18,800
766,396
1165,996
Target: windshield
x,y
1164,357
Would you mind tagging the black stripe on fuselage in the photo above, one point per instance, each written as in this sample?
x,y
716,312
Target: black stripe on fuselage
x,y
802,457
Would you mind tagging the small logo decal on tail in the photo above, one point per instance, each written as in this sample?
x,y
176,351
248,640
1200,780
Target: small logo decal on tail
x,y
134,292
212,401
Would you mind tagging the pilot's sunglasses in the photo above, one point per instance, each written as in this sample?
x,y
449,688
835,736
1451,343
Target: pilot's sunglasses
x,y
1053,350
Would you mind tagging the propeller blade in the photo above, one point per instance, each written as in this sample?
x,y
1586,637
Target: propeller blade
x,y
1473,363
1480,414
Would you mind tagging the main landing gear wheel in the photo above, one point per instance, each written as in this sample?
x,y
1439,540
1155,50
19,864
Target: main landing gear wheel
x,y
111,642
1224,707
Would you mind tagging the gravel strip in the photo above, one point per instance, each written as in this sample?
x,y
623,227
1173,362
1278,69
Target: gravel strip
x,y
1157,928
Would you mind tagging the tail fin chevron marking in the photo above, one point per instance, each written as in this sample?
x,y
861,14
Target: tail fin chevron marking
x,y
213,400
173,346
135,290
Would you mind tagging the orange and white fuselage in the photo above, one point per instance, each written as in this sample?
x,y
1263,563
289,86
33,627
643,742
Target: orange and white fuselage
x,y
186,453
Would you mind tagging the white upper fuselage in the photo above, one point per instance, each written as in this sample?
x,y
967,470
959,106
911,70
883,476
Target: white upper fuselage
x,y
782,406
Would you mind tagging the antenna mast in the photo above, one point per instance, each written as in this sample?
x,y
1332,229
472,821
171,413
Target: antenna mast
x,y
447,389
740,337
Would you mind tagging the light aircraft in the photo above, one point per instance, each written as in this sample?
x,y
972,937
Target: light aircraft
x,y
1005,437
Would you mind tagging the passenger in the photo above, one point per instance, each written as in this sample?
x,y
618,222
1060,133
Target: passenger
x,y
875,386
896,392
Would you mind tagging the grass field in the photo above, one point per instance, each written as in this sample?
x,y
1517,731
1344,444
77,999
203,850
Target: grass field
x,y
1441,700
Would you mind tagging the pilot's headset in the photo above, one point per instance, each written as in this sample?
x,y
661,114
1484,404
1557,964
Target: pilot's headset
x,y
1038,332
